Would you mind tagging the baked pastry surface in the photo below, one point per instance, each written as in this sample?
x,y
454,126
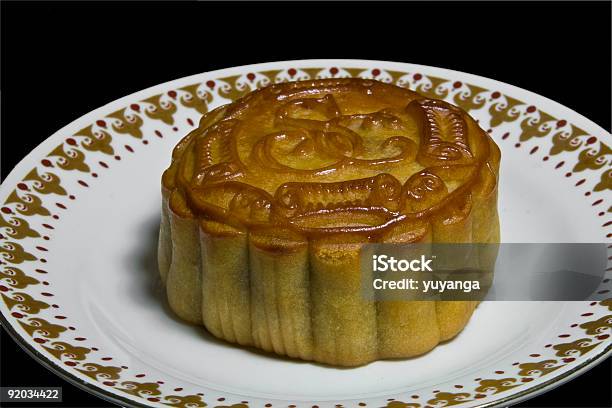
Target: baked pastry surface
x,y
268,202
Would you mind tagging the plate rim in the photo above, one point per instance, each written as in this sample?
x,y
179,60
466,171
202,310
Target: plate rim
x,y
114,397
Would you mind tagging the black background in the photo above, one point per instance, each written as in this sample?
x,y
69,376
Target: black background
x,y
60,61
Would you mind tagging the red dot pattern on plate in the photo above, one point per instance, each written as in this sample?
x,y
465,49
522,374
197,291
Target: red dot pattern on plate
x,y
292,72
568,359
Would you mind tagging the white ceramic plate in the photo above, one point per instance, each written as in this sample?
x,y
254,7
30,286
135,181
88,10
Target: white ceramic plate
x,y
79,280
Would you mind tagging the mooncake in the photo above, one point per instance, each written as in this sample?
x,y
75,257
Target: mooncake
x,y
267,203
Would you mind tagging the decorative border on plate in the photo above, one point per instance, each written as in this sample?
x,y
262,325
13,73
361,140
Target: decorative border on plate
x,y
41,199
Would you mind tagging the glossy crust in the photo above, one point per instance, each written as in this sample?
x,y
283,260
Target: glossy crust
x,y
267,203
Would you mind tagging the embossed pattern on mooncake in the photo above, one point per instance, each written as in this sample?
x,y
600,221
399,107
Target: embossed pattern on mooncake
x,y
267,202
316,148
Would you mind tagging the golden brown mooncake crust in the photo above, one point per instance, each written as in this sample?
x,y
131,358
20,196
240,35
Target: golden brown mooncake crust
x,y
267,203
